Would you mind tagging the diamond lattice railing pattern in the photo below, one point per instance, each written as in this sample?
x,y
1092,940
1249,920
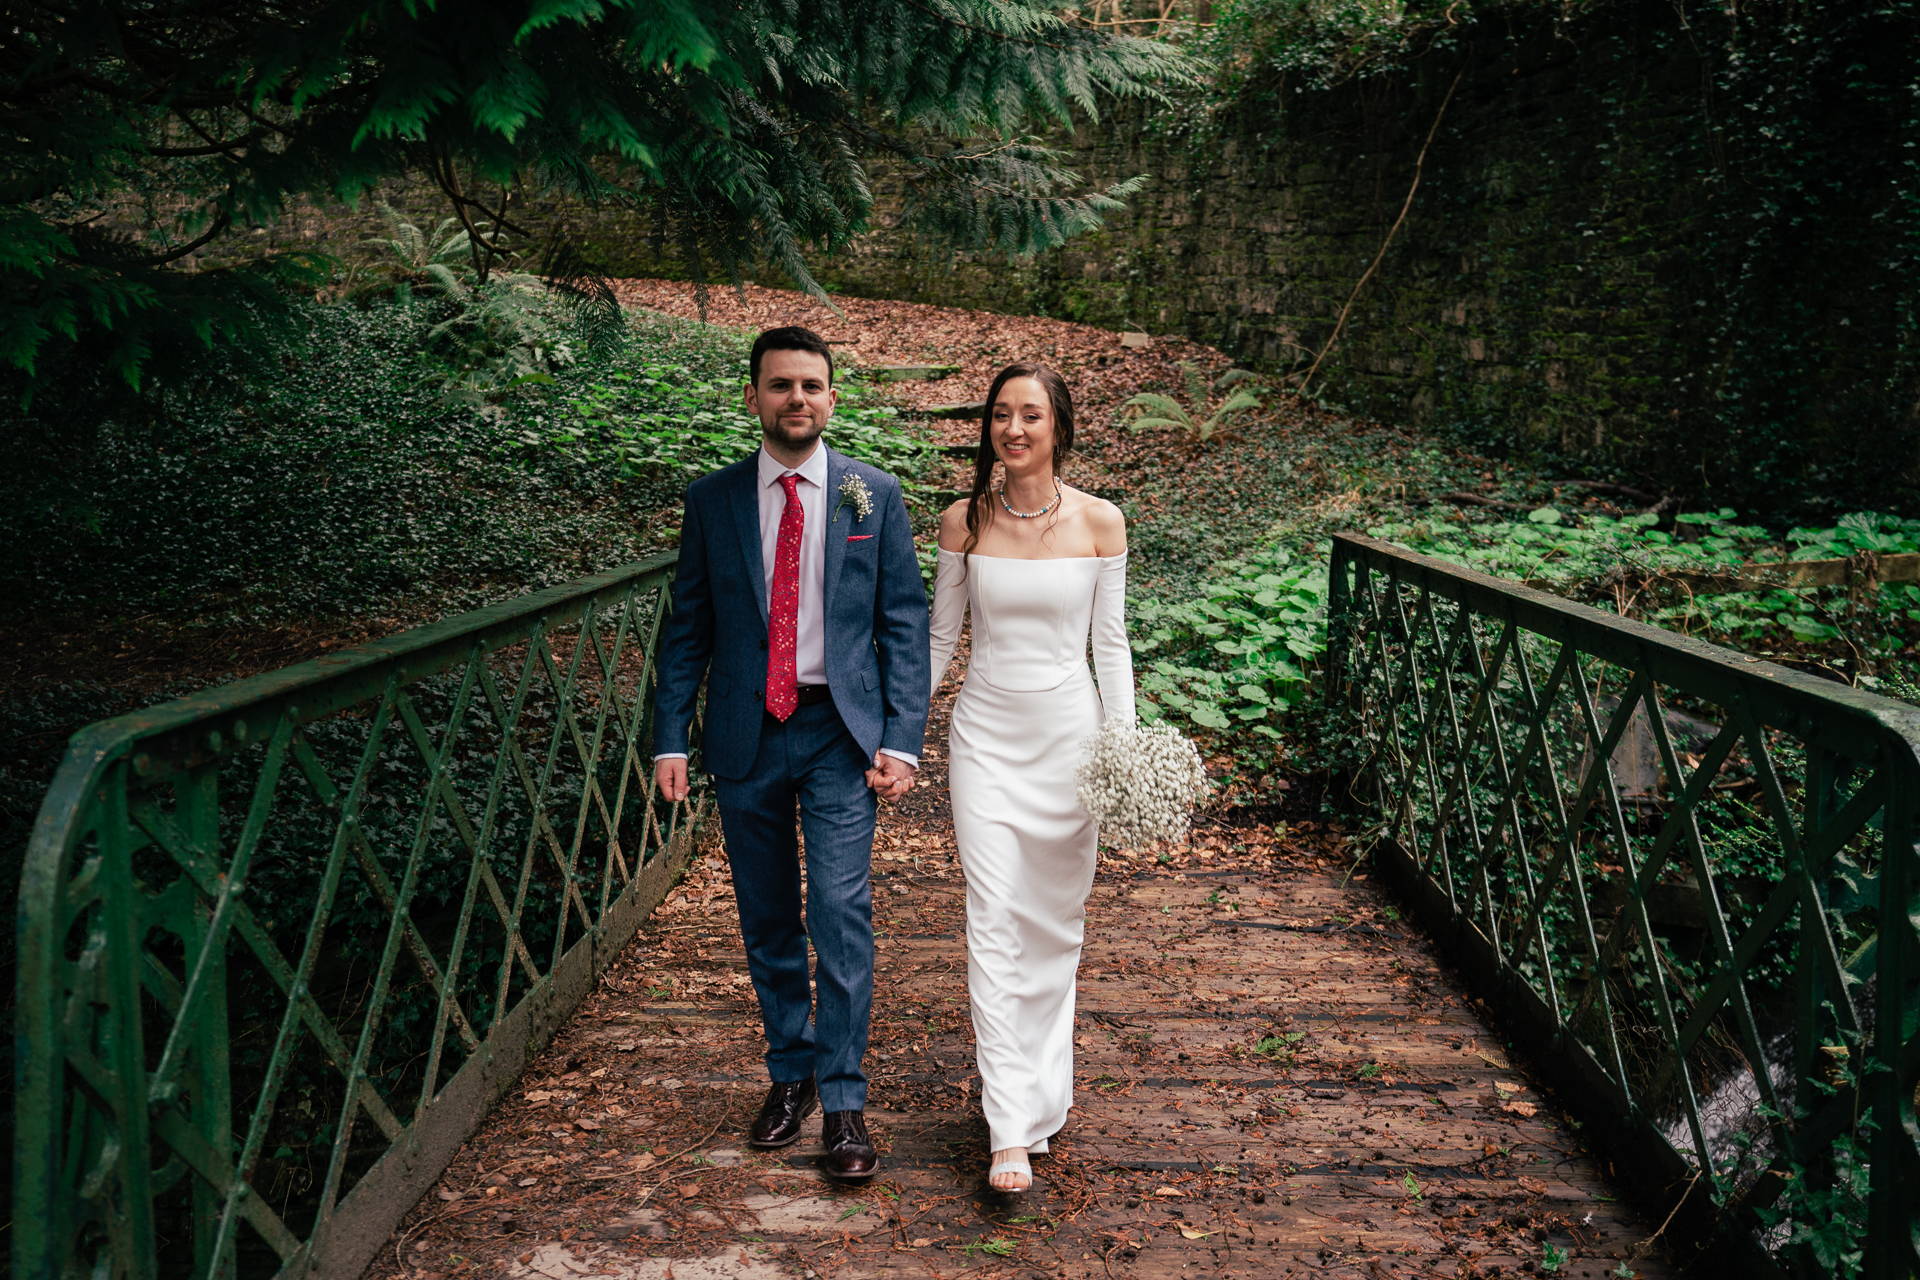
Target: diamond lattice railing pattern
x,y
1687,877
283,943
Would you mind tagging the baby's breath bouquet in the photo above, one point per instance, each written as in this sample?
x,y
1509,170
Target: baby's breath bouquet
x,y
1140,782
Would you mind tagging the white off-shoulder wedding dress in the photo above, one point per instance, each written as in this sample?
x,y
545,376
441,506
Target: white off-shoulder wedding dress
x,y
1026,844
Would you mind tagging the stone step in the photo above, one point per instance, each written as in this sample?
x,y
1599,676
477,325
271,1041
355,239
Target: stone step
x,y
908,372
971,409
944,498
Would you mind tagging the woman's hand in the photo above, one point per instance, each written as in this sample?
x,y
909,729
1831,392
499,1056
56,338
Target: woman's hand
x,y
890,777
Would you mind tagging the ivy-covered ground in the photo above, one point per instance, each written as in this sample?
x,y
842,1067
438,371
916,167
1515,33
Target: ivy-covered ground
x,y
237,522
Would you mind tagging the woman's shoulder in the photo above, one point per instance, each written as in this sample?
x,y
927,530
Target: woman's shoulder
x,y
1104,521
953,526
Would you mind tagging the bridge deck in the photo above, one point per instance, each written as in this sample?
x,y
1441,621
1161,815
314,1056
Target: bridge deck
x,y
1385,1131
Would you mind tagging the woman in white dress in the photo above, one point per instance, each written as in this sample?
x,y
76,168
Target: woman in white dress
x,y
1042,566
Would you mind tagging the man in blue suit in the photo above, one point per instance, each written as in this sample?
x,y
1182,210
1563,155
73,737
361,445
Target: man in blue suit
x,y
798,600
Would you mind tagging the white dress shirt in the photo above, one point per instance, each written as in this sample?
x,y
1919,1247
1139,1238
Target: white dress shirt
x,y
810,627
810,622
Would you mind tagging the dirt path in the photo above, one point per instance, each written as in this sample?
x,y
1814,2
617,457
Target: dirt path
x,y
1273,1078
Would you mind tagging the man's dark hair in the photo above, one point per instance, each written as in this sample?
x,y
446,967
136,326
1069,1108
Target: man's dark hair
x,y
788,338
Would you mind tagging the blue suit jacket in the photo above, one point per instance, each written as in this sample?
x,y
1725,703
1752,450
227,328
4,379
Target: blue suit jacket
x,y
876,620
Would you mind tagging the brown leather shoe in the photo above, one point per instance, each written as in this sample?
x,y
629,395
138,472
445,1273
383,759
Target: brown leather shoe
x,y
786,1107
850,1154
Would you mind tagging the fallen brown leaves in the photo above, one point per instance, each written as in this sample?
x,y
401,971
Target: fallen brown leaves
x,y
620,1154
878,332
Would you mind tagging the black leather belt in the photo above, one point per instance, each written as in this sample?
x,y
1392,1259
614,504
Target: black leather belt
x,y
805,695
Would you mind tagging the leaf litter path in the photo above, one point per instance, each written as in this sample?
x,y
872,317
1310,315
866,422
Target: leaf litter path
x,y
1273,1077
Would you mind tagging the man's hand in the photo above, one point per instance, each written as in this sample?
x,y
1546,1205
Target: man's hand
x,y
671,777
891,777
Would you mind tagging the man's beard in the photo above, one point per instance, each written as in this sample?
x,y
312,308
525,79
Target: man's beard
x,y
791,437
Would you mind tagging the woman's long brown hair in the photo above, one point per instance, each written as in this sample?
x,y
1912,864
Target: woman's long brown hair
x,y
979,510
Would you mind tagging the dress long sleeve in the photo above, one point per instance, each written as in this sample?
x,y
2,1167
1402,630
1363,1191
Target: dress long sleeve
x,y
1112,655
949,610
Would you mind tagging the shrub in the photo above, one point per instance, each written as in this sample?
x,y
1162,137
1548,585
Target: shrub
x,y
349,482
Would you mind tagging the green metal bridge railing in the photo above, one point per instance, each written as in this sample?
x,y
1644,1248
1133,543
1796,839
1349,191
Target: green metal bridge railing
x,y
1686,879
283,943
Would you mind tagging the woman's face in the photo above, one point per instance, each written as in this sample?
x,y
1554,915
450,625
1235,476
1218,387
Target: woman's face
x,y
1023,426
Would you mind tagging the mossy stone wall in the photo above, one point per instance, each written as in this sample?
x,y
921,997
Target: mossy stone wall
x,y
1646,237
1672,242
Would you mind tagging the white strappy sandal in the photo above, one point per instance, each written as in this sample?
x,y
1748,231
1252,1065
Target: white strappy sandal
x,y
1021,1167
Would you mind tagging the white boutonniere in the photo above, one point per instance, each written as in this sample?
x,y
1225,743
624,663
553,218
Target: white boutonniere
x,y
854,493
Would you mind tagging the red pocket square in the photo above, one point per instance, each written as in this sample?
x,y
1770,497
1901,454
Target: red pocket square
x,y
858,537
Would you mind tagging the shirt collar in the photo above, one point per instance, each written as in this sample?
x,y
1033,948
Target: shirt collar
x,y
813,470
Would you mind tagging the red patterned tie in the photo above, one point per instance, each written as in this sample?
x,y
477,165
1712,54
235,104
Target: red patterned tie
x,y
783,606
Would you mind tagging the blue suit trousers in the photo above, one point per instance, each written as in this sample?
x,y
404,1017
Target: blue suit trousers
x,y
810,763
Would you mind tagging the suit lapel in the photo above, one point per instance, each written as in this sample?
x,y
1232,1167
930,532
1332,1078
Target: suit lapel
x,y
836,540
746,519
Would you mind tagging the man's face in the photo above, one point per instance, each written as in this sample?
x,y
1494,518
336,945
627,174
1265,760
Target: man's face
x,y
793,399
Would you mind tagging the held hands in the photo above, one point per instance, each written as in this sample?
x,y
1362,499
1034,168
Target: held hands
x,y
890,777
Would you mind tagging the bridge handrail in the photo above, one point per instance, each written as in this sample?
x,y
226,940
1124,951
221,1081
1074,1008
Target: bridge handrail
x,y
1457,690
150,956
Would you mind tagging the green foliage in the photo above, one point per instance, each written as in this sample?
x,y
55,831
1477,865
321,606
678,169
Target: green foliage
x,y
348,482
1231,661
1551,549
1828,1218
500,329
441,258
1164,411
996,1247
342,484
1154,411
660,419
1238,655
1279,1047
1259,43
1632,567
496,336
1821,1211
145,129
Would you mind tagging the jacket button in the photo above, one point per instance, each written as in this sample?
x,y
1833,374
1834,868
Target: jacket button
x,y
757,695
763,643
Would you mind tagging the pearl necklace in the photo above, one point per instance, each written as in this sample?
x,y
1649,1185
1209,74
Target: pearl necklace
x,y
1030,515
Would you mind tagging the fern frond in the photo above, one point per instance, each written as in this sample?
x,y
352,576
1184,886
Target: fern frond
x,y
449,283
1239,403
1166,406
